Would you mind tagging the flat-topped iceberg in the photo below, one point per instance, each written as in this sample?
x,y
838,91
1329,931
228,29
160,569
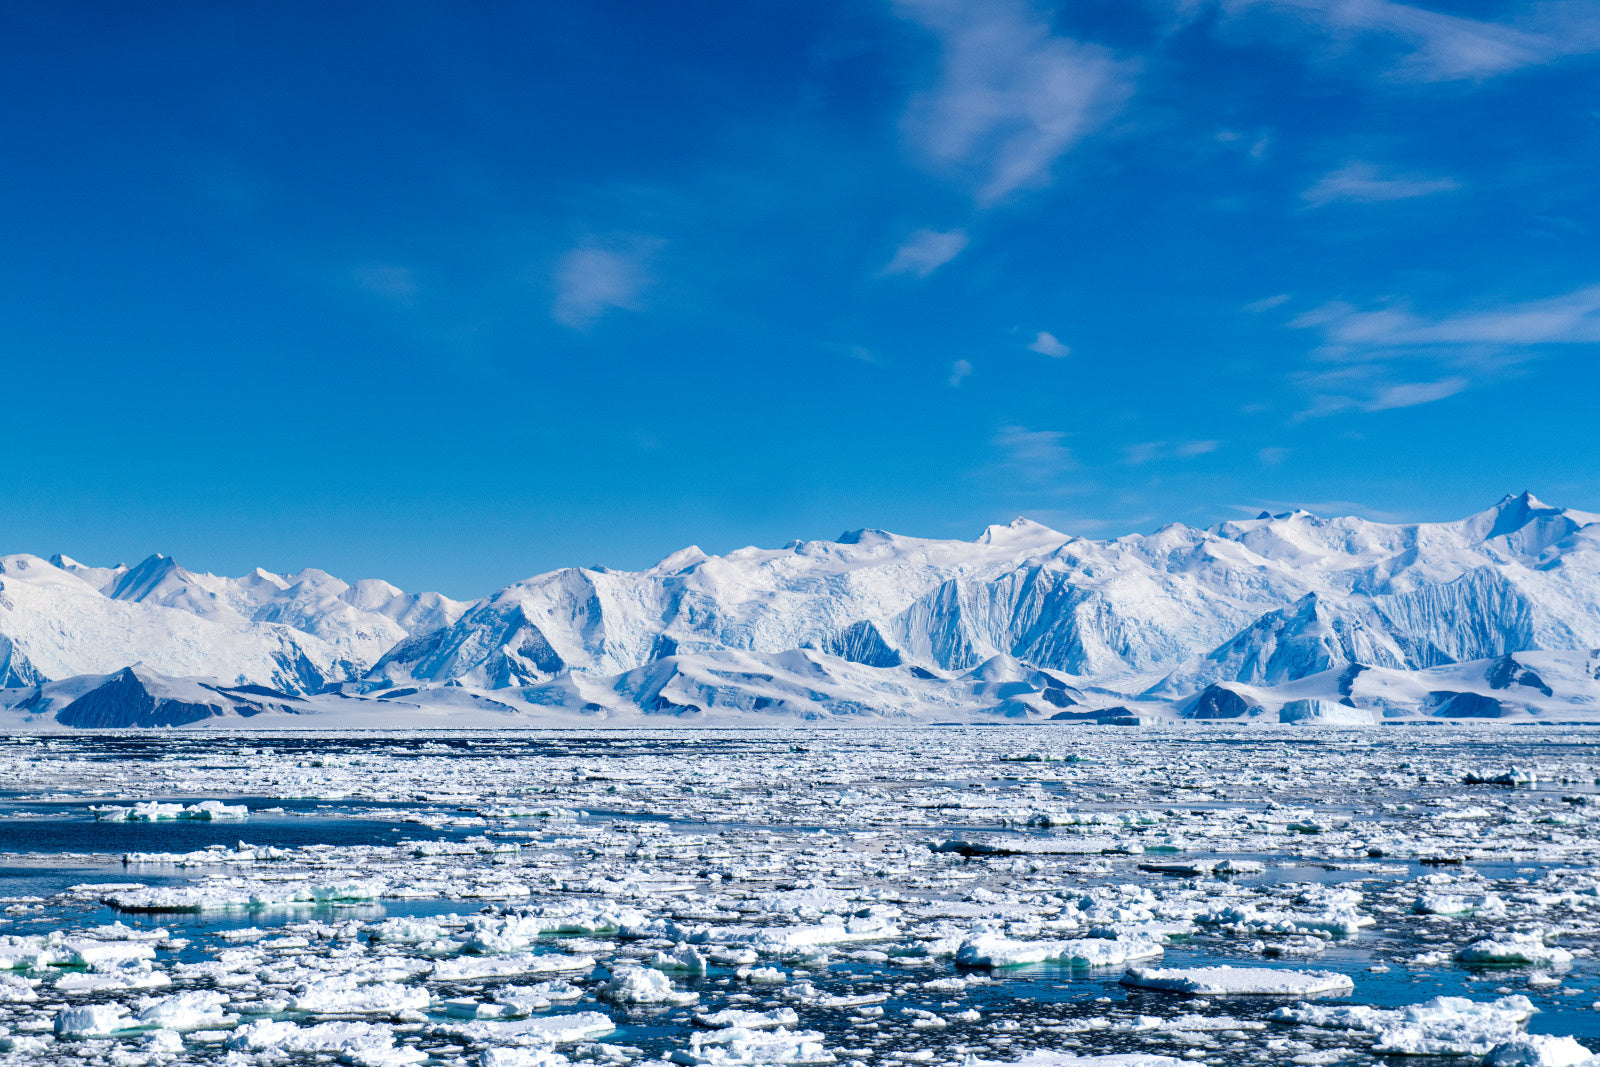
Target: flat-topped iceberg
x,y
155,811
1238,981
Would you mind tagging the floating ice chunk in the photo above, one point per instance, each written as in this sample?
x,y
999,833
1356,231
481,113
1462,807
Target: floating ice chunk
x,y
1247,918
1293,945
343,1037
502,933
228,895
192,1009
1443,1026
522,1057
684,958
464,968
113,978
1514,950
85,952
1230,867
992,950
403,930
15,990
163,1043
1434,902
344,995
118,931
1541,1050
1226,981
643,985
91,1020
472,1008
517,996
154,811
784,940
740,1045
28,952
1192,869
1516,777
750,1020
401,1056
761,975
553,1029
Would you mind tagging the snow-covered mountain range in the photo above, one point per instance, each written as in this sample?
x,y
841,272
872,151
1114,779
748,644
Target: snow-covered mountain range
x,y
1023,623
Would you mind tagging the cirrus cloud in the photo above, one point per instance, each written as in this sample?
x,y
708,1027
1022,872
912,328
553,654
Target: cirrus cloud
x,y
596,277
1012,97
1391,357
926,251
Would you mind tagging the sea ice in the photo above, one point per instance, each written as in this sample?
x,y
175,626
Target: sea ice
x,y
1229,981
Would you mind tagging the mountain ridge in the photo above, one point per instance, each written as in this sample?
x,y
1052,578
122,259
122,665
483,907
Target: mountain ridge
x,y
1159,617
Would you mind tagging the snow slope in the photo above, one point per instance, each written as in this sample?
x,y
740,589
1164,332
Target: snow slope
x,y
1259,602
297,633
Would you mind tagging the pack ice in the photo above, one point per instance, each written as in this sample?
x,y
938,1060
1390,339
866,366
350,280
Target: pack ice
x,y
793,897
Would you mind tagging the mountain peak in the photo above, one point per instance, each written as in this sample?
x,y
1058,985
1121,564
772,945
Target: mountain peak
x,y
1018,529
682,559
1524,500
1512,513
865,534
144,577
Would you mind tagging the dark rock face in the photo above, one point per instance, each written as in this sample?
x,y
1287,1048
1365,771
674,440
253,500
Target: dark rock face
x,y
1217,702
1445,705
139,698
1058,697
860,642
1507,672
125,701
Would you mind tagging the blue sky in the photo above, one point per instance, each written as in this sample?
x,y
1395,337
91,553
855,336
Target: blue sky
x,y
454,293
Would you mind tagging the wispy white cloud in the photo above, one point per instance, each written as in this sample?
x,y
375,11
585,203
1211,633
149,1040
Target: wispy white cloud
x,y
594,278
926,251
1410,394
1011,98
1034,456
1387,358
1149,451
1046,344
959,370
1571,318
1267,303
1430,46
1363,183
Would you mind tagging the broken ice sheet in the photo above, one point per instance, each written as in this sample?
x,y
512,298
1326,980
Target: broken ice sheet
x,y
759,898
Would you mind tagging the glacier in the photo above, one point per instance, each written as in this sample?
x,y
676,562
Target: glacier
x,y
1400,622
